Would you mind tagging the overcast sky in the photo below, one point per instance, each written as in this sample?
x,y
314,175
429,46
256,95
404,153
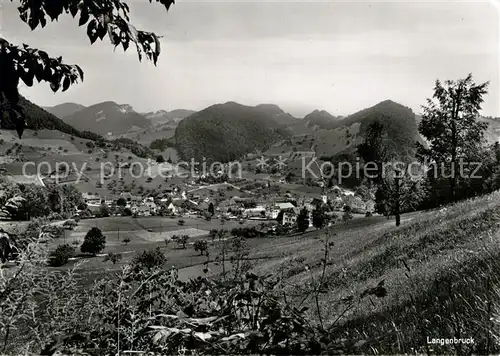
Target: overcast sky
x,y
336,56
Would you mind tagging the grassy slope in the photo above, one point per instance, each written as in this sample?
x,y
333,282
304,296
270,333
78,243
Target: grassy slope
x,y
459,245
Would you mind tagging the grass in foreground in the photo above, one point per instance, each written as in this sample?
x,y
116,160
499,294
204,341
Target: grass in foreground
x,y
441,271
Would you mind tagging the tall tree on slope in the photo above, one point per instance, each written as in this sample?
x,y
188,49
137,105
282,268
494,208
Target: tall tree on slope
x,y
450,123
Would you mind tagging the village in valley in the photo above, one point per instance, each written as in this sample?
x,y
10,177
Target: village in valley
x,y
266,198
249,178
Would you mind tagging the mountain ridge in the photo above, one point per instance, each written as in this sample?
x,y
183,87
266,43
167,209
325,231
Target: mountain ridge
x,y
108,118
64,109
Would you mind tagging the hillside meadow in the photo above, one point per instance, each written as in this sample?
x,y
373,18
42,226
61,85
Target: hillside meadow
x,y
439,270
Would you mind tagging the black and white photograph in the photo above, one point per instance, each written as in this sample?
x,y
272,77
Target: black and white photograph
x,y
249,177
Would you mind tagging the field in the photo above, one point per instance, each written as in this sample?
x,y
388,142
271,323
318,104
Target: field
x,y
456,249
145,234
324,142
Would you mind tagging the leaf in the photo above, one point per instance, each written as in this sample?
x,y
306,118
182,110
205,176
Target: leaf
x,y
91,33
202,336
84,17
39,72
33,22
43,21
66,83
234,336
133,33
43,55
27,77
101,31
24,16
73,9
157,48
80,71
55,86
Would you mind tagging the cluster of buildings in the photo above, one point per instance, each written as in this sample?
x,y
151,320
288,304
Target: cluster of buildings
x,y
137,204
225,200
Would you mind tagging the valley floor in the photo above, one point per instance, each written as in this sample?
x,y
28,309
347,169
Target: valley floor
x,y
440,270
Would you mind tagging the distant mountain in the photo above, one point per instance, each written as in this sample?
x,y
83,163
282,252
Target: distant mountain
x,y
162,117
225,132
181,113
322,119
399,120
108,119
39,119
64,109
331,136
278,115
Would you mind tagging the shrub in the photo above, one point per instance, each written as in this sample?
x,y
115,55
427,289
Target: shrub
x,y
127,212
113,257
94,242
160,159
201,246
54,216
149,259
70,224
347,215
182,240
61,255
103,211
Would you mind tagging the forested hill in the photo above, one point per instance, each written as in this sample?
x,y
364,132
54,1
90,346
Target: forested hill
x,y
225,132
38,119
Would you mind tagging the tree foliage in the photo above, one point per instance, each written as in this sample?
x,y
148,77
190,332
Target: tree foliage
x,y
375,149
149,259
319,217
182,240
35,203
450,124
121,202
60,256
94,241
303,220
398,193
201,246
